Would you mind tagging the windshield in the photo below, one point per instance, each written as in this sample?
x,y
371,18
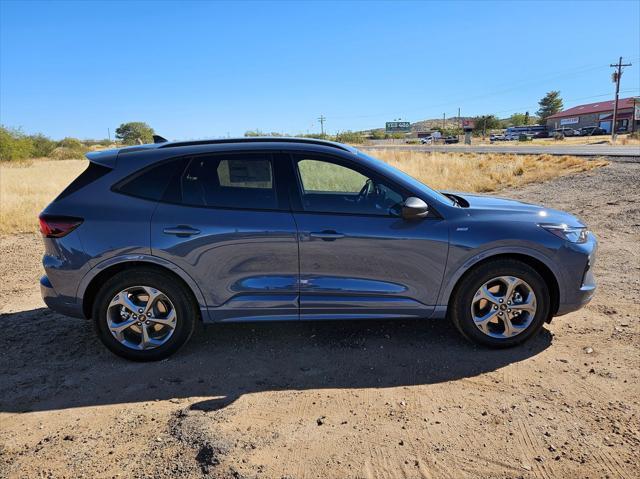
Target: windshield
x,y
401,175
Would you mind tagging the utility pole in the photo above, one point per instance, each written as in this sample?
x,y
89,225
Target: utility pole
x,y
322,120
444,115
109,134
459,121
616,77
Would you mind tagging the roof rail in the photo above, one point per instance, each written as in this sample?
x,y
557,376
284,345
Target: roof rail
x,y
256,139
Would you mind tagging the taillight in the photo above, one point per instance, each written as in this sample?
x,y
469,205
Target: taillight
x,y
58,226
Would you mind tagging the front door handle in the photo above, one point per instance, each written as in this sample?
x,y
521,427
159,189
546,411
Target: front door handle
x,y
327,235
181,231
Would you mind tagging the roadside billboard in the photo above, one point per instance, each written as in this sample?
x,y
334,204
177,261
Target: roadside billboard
x,y
397,126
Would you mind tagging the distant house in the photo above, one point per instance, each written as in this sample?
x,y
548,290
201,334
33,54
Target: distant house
x,y
597,114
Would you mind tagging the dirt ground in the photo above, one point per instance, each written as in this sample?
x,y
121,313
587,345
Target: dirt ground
x,y
393,399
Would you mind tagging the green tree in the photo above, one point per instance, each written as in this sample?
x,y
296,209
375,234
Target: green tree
x,y
518,119
486,123
549,105
134,132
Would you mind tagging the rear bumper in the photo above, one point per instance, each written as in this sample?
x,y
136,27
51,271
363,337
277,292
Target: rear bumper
x,y
56,302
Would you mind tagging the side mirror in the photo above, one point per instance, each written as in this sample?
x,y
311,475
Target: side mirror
x,y
414,208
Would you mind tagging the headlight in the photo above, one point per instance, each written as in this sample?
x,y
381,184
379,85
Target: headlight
x,y
573,234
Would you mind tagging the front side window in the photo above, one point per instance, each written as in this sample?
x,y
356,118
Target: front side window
x,y
233,181
329,187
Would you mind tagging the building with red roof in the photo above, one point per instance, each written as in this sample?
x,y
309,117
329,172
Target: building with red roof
x,y
599,114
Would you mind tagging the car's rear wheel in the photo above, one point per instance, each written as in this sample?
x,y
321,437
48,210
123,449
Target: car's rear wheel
x,y
500,303
144,314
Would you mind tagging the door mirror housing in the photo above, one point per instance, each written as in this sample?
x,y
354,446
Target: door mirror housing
x,y
414,208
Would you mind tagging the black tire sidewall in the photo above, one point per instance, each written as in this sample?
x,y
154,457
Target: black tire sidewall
x,y
181,298
461,310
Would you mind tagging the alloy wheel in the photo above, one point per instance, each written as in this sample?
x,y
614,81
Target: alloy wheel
x,y
503,307
141,317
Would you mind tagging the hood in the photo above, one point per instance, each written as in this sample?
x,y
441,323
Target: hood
x,y
496,205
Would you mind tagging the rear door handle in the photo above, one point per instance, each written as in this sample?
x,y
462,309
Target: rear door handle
x,y
327,235
181,231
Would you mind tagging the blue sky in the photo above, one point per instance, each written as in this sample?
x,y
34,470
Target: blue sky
x,y
209,69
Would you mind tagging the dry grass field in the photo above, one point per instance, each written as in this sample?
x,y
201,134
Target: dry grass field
x,y
26,188
474,172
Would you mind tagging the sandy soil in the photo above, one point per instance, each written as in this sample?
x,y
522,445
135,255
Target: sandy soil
x,y
395,399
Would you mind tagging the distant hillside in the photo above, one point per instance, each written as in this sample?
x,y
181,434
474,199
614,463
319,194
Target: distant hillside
x,y
427,125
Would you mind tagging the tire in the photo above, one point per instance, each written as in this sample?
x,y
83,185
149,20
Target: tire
x,y
467,295
172,296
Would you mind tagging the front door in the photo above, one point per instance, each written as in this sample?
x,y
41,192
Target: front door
x,y
225,220
358,257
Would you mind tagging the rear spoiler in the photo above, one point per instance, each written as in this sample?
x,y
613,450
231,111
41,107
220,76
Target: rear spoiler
x,y
108,157
104,158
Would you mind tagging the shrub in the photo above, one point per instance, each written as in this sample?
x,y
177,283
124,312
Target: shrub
x,y
14,145
377,134
72,143
349,137
63,153
42,146
68,149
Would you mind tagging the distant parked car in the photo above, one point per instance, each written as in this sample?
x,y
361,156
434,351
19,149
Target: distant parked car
x,y
541,134
592,131
566,132
496,137
427,140
451,139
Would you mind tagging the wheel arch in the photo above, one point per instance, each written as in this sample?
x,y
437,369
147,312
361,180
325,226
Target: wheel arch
x,y
536,263
95,278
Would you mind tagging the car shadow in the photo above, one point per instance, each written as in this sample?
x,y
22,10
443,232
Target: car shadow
x,y
49,361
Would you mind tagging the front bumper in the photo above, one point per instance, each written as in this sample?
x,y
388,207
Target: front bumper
x,y
56,302
580,284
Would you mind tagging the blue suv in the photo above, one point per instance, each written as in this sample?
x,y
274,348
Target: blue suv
x,y
153,238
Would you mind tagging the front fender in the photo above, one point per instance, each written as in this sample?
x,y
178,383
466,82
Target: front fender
x,y
452,277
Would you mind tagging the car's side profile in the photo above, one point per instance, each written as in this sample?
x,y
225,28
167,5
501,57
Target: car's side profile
x,y
150,239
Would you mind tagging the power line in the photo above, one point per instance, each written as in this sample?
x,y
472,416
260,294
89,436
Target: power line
x,y
575,71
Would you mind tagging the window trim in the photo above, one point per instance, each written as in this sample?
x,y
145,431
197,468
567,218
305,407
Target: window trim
x,y
297,204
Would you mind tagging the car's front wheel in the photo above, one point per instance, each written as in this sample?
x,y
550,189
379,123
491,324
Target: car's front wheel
x,y
500,303
144,314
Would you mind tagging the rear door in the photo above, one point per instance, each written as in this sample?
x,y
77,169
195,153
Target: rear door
x,y
358,257
225,220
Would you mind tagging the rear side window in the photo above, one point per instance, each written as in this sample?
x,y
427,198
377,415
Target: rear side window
x,y
151,183
230,181
88,176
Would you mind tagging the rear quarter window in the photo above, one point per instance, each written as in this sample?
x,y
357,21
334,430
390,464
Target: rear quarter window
x,y
88,176
150,183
